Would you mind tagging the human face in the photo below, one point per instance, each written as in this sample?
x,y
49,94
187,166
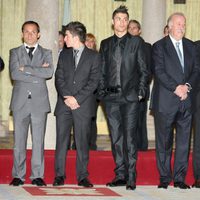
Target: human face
x,y
30,34
120,24
177,27
90,43
69,39
133,29
60,41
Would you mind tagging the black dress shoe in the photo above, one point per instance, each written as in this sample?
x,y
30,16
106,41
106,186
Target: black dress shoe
x,y
181,185
16,182
59,180
115,183
131,187
38,182
163,185
85,183
196,184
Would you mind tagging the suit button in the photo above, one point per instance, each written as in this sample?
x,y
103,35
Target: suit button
x,y
74,82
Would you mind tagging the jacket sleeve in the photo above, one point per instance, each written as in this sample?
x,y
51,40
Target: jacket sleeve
x,y
92,83
39,71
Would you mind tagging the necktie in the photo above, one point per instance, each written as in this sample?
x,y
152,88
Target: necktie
x,y
30,52
118,59
75,58
180,56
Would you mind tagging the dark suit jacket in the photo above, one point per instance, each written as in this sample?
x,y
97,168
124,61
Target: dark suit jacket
x,y
148,51
1,64
196,89
133,74
168,74
80,83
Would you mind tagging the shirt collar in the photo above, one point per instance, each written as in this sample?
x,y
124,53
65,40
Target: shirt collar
x,y
26,45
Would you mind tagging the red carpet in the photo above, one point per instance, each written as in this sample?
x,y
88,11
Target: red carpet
x,y
100,167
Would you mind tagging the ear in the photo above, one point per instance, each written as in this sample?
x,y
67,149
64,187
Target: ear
x,y
112,22
38,36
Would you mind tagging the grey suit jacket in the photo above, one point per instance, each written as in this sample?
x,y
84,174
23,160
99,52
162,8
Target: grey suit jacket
x,y
32,79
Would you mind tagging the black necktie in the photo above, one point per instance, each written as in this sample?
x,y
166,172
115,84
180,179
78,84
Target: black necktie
x,y
30,52
118,59
75,58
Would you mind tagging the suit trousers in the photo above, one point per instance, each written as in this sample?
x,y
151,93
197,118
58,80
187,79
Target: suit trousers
x,y
122,119
81,125
164,129
24,118
142,140
196,145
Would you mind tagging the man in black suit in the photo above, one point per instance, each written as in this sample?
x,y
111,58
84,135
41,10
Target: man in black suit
x,y
76,79
134,28
196,140
176,69
1,64
123,82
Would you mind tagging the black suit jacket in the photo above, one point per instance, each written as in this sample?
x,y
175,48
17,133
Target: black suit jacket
x,y
168,74
134,73
80,83
196,91
1,64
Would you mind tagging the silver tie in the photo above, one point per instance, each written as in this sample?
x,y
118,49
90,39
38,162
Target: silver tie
x,y
180,56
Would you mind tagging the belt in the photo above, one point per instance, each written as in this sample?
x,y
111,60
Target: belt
x,y
113,90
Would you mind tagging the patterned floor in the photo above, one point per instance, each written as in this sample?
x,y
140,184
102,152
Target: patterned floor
x,y
72,192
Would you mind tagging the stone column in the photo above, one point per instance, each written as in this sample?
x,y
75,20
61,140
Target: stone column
x,y
153,19
46,13
153,23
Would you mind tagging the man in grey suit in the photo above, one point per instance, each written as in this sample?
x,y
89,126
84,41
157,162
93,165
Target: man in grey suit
x,y
30,66
76,79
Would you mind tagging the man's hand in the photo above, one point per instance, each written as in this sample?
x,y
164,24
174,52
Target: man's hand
x,y
45,64
71,102
21,68
181,91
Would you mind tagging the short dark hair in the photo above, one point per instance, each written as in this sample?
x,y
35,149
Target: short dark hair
x,y
120,9
77,29
135,22
31,22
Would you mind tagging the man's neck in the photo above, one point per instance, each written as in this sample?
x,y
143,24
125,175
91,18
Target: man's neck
x,y
78,45
120,34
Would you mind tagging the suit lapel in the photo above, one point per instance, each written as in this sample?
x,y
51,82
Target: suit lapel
x,y
173,54
187,55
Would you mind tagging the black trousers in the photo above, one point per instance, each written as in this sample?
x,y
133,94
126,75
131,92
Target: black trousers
x,y
81,125
122,119
196,145
142,139
165,123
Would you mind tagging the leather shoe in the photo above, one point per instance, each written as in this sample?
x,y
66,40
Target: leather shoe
x,y
130,187
163,185
38,182
181,185
115,183
196,184
16,182
59,180
85,183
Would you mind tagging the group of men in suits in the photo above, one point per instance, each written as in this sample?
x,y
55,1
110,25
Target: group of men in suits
x,y
120,75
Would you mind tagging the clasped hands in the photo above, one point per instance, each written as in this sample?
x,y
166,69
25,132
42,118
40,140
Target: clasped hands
x,y
71,102
181,91
21,68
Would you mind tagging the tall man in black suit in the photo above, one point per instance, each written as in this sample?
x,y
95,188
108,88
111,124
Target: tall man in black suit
x,y
123,83
76,79
196,141
134,28
176,69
